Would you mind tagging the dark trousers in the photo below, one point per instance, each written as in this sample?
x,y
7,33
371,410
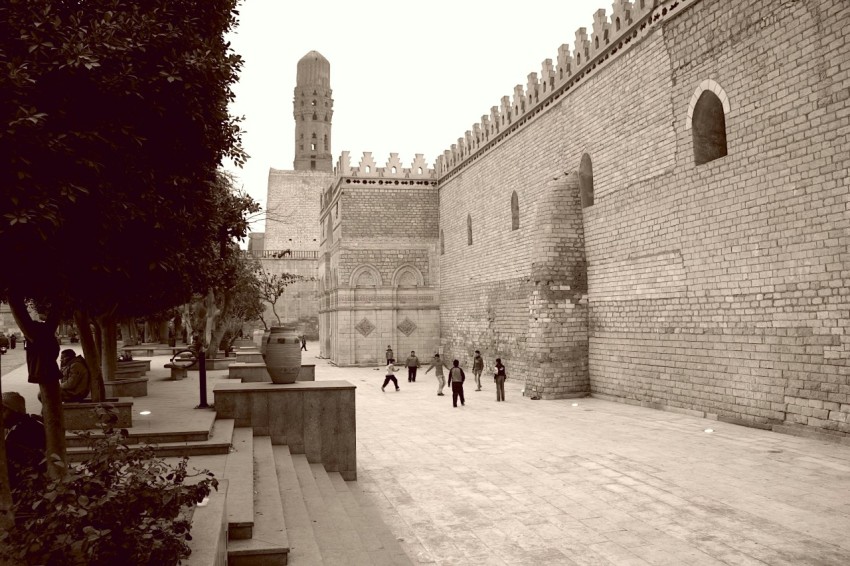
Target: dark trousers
x,y
389,378
500,388
457,391
304,346
411,373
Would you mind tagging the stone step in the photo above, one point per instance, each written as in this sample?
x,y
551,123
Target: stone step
x,y
269,544
218,441
336,537
303,549
378,539
209,530
239,470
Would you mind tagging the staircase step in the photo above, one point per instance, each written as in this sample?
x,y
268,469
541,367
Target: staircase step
x,y
269,544
209,530
303,549
217,442
346,534
239,469
336,537
380,542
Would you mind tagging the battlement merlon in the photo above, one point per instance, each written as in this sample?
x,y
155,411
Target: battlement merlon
x,y
606,33
393,169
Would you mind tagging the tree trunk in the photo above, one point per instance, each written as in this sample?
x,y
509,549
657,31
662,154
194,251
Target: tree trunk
x,y
42,355
92,355
54,427
128,332
210,322
7,516
109,347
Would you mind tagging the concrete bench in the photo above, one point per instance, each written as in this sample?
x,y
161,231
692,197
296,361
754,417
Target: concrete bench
x,y
128,372
127,387
144,365
249,357
177,372
138,351
81,415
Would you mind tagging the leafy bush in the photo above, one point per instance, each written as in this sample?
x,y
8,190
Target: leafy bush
x,y
121,506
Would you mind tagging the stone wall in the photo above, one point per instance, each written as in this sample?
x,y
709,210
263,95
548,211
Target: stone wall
x,y
292,206
299,303
719,288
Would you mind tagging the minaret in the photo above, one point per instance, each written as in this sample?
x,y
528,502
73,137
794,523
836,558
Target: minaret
x,y
313,110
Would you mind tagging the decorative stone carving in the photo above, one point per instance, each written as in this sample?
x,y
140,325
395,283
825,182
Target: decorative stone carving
x,y
406,326
365,327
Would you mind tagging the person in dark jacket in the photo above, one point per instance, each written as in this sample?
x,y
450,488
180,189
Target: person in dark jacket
x,y
389,354
13,340
499,377
412,363
76,380
25,439
456,379
477,368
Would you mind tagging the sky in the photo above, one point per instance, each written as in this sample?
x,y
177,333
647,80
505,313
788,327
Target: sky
x,y
407,77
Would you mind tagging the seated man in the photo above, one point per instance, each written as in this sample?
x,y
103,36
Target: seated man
x,y
76,380
25,439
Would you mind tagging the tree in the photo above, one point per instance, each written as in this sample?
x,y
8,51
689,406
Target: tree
x,y
113,123
273,285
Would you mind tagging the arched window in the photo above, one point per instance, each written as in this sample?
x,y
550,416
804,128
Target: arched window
x,y
442,244
708,128
315,117
468,230
585,181
326,142
514,211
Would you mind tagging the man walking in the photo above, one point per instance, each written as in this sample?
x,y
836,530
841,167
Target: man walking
x,y
412,363
477,368
437,365
303,343
456,379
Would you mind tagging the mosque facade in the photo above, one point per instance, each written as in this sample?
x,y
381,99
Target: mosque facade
x,y
659,216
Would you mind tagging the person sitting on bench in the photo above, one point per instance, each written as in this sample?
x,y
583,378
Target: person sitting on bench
x,y
76,381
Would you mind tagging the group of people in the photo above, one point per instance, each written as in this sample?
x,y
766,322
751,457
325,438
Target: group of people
x,y
456,375
8,342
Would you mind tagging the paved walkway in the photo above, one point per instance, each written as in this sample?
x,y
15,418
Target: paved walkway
x,y
571,482
589,481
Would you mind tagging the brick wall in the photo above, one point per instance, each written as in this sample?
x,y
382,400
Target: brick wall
x,y
719,288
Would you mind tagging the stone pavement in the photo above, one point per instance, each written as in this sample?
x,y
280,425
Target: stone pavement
x,y
579,481
587,481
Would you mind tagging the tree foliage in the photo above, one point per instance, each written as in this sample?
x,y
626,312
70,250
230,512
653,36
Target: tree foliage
x,y
273,285
113,123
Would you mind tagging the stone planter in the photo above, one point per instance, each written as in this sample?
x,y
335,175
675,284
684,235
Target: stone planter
x,y
283,354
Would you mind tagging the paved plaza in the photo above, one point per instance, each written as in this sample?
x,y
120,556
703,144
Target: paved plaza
x,y
581,481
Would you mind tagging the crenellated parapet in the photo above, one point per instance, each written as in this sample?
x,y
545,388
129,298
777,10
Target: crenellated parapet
x,y
609,37
393,169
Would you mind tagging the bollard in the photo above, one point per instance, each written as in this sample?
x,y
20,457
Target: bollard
x,y
202,377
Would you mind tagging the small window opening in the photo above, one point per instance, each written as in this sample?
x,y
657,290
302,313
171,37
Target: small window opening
x,y
514,211
708,126
468,230
585,180
442,244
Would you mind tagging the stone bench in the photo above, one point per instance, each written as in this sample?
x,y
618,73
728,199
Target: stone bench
x,y
127,387
249,357
81,415
215,364
144,365
128,372
177,372
138,351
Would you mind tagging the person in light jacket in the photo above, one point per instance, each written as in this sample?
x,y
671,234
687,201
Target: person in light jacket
x,y
437,365
391,369
499,377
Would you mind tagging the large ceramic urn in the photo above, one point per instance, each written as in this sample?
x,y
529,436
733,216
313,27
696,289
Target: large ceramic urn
x,y
282,353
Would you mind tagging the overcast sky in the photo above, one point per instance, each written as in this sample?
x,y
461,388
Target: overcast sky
x,y
406,77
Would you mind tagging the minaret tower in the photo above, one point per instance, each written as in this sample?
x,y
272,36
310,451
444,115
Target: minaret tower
x,y
313,110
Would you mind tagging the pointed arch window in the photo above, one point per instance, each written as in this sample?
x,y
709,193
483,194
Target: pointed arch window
x,y
514,211
468,229
708,128
442,244
585,181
